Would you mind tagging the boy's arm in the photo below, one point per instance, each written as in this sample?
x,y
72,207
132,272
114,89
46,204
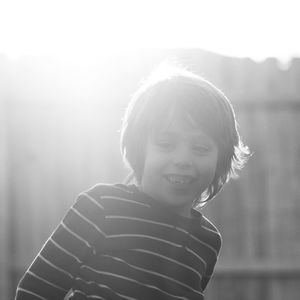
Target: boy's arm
x,y
216,243
205,280
52,272
209,273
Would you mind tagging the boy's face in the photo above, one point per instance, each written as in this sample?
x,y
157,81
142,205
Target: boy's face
x,y
180,163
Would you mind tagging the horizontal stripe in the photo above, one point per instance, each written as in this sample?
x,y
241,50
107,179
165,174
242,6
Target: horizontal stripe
x,y
47,282
140,220
76,235
160,240
169,226
210,230
92,200
152,287
147,271
30,293
199,257
54,266
104,287
199,241
138,283
66,251
205,244
108,288
169,259
166,225
88,221
124,200
126,297
144,236
87,296
143,270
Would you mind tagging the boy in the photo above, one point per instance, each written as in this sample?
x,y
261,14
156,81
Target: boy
x,y
148,240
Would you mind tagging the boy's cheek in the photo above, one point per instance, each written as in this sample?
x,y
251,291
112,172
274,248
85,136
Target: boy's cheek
x,y
156,161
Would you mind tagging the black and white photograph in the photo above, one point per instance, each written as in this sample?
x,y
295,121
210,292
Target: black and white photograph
x,y
149,150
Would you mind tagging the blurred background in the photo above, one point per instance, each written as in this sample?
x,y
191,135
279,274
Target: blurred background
x,y
67,71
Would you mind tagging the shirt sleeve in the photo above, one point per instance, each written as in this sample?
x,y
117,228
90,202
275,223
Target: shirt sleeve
x,y
210,268
52,272
216,243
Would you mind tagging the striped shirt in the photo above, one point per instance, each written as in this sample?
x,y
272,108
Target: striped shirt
x,y
116,242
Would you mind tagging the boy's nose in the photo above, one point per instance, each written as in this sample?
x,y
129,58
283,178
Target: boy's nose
x,y
182,157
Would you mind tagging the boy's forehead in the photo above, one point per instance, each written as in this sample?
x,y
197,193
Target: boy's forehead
x,y
183,113
179,125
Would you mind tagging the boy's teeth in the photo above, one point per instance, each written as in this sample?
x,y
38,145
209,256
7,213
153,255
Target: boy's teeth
x,y
178,179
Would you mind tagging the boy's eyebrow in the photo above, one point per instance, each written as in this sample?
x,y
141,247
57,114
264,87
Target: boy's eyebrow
x,y
196,135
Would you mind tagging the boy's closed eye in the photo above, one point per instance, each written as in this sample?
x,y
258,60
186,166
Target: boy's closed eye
x,y
165,143
169,144
201,149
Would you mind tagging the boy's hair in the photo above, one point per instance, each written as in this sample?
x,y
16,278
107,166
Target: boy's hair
x,y
173,91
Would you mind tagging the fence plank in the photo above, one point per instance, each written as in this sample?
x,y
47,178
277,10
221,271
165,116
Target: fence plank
x,y
4,212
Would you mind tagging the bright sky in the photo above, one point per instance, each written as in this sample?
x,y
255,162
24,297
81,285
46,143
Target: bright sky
x,y
255,28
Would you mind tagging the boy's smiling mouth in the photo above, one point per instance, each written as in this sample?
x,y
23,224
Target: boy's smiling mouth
x,y
179,179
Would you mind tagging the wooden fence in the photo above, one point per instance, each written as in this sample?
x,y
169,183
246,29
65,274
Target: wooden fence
x,y
59,135
259,214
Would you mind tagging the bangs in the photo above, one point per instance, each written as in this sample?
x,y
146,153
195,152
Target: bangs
x,y
194,109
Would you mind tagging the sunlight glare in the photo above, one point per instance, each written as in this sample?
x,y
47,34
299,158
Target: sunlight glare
x,y
86,30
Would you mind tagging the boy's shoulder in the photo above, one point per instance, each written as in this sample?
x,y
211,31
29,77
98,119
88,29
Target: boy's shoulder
x,y
212,230
113,195
108,189
208,224
103,190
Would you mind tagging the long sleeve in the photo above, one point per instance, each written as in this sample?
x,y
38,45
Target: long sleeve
x,y
215,242
54,269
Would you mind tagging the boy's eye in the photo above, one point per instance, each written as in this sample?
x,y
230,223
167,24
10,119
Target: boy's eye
x,y
201,148
164,144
